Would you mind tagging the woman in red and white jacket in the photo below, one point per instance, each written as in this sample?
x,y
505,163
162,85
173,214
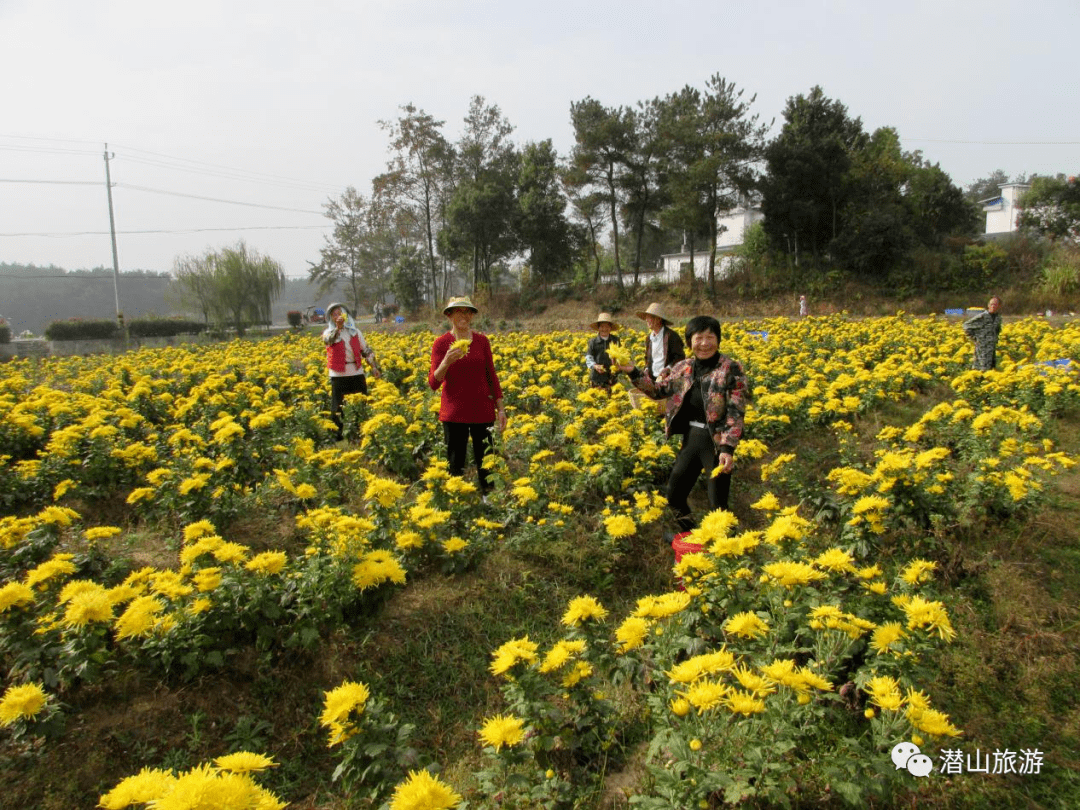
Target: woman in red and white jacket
x,y
472,400
346,351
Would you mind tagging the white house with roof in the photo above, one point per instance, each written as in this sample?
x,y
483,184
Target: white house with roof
x,y
1002,212
673,267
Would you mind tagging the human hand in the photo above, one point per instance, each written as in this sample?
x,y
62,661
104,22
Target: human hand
x,y
500,418
726,462
627,368
601,369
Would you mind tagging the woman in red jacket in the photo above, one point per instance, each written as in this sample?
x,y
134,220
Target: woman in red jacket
x,y
472,400
346,350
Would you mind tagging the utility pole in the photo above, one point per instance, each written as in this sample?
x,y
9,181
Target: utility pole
x,y
112,232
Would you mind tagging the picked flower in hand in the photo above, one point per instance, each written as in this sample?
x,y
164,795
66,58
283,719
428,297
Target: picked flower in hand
x,y
462,344
619,356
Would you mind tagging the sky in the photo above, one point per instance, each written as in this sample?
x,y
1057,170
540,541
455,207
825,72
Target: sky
x,y
240,120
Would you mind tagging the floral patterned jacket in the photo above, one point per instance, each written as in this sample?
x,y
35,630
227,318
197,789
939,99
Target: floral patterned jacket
x,y
726,394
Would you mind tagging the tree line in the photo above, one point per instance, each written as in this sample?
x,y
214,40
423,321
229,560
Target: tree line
x,y
33,296
639,181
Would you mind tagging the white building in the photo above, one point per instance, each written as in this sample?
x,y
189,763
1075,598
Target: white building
x,y
1002,213
673,267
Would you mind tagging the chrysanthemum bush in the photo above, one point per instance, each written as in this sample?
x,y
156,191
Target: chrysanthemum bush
x,y
562,719
371,743
184,620
757,676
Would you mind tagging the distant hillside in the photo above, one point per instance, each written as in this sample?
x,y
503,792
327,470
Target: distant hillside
x,y
32,296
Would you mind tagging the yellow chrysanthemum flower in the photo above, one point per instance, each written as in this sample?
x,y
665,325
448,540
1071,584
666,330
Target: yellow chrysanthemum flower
x,y
632,633
583,609
502,730
619,526
244,762
746,625
342,708
146,786
511,654
24,702
422,791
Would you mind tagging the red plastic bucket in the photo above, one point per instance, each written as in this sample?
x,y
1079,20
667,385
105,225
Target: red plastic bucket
x,y
681,546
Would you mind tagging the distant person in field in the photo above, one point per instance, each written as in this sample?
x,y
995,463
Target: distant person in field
x,y
472,400
346,351
708,393
983,330
663,346
597,360
804,308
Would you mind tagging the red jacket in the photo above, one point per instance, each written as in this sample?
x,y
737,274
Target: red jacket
x,y
471,387
335,354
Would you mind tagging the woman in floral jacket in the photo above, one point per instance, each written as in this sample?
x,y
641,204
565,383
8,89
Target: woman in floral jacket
x,y
708,393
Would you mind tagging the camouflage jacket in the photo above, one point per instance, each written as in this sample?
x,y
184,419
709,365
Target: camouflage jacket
x,y
725,393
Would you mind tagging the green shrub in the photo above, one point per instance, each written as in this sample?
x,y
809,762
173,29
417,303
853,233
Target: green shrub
x,y
983,265
5,333
296,318
78,329
164,327
1061,273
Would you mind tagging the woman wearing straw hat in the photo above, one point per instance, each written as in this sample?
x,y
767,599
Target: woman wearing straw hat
x,y
346,350
472,400
597,360
663,346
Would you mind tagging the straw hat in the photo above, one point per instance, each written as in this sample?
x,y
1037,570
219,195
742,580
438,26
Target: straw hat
x,y
604,317
657,310
454,303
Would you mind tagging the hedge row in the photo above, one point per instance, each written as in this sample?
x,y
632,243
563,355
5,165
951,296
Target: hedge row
x,y
77,329
5,333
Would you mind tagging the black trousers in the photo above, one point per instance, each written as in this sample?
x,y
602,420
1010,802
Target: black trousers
x,y
698,453
457,447
340,387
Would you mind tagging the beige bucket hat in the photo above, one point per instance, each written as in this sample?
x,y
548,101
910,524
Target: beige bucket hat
x,y
462,301
655,309
605,317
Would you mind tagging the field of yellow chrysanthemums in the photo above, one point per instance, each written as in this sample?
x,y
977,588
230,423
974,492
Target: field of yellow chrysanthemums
x,y
794,650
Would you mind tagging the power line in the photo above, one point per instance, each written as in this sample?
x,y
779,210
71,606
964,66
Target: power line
x,y
216,199
176,164
54,182
46,150
234,170
237,174
172,230
300,185
91,276
997,143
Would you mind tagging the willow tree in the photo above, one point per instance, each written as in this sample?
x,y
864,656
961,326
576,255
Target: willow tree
x,y
236,285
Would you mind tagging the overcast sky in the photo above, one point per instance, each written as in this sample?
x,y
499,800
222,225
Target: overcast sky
x,y
276,104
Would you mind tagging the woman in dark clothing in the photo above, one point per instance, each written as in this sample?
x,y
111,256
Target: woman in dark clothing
x,y
597,360
708,393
